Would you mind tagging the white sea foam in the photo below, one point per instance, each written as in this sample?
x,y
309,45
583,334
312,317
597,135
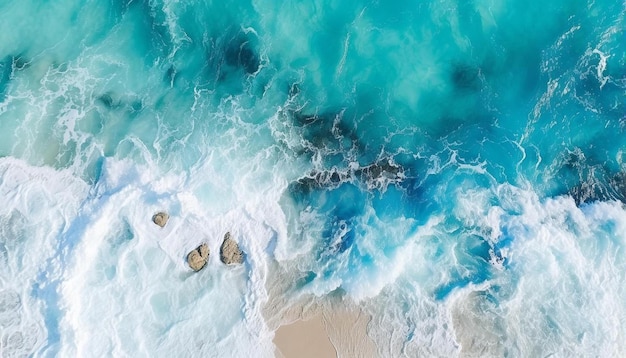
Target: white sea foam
x,y
128,290
36,206
125,288
560,291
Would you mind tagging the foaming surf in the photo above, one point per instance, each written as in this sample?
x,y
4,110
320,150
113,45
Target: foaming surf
x,y
454,173
543,281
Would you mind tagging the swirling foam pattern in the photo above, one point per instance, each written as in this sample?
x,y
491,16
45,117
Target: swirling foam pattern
x,y
457,169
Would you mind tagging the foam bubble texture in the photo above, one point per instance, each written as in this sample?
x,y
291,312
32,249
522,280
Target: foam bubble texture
x,y
38,204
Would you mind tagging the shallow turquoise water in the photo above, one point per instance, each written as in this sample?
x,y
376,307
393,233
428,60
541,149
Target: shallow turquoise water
x,y
446,165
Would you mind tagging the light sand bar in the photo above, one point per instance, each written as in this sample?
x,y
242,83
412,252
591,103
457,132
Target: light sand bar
x,y
330,333
304,339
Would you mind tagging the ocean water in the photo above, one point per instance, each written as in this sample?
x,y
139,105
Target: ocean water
x,y
455,168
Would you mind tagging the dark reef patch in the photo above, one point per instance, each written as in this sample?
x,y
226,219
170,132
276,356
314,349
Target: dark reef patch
x,y
20,63
112,103
587,175
107,101
317,180
294,90
600,188
466,78
230,57
8,66
618,184
327,132
240,53
170,75
383,169
6,71
377,175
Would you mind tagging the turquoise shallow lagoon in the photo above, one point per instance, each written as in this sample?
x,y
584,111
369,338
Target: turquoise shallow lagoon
x,y
457,169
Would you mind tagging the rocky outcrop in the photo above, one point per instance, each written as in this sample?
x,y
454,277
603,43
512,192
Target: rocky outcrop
x,y
600,188
382,169
199,257
230,252
160,218
377,175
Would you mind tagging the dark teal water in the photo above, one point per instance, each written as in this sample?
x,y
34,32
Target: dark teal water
x,y
455,168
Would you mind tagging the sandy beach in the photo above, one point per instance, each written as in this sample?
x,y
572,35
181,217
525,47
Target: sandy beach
x,y
305,339
309,326
337,331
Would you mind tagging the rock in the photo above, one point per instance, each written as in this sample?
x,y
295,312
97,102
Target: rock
x,y
198,258
600,188
230,252
160,218
376,175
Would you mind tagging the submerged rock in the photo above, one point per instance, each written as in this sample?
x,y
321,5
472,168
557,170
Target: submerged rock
x,y
600,189
384,168
198,258
377,175
160,218
230,252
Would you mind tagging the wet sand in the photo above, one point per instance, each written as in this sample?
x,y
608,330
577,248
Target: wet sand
x,y
332,332
305,339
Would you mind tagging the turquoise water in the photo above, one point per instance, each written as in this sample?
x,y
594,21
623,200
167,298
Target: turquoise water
x,y
457,169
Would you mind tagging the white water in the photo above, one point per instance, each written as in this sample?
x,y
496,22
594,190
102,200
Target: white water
x,y
561,292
